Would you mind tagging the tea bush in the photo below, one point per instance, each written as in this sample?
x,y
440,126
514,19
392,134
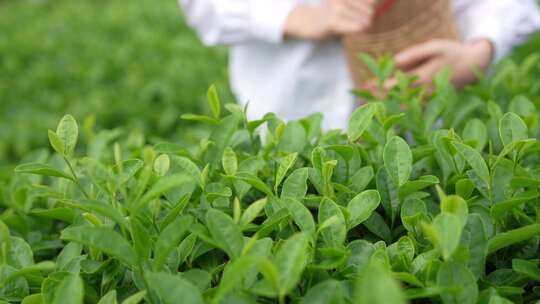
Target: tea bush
x,y
134,64
426,197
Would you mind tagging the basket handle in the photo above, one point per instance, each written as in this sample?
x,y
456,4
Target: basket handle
x,y
384,7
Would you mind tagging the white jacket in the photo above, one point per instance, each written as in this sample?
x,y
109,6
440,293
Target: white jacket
x,y
294,78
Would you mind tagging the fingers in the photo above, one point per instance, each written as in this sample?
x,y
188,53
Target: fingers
x,y
352,15
416,54
426,72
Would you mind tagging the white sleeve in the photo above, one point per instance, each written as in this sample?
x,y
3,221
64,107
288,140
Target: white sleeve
x,y
505,23
227,22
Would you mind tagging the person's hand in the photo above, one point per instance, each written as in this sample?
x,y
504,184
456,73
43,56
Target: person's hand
x,y
462,58
330,18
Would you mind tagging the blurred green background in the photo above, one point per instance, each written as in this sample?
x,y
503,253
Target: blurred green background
x,y
133,64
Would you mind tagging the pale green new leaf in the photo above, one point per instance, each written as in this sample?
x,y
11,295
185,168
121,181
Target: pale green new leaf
x,y
512,129
229,161
360,121
285,164
68,131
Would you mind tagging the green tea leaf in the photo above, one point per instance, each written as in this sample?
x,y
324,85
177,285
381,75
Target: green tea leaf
x,y
511,237
444,233
301,215
169,239
171,288
109,298
103,239
360,121
290,262
42,169
456,205
376,285
135,298
229,161
475,160
252,211
225,232
512,129
285,164
397,158
457,283
70,290
295,184
162,164
56,142
527,268
362,206
255,182
189,167
68,131
328,291
335,233
213,101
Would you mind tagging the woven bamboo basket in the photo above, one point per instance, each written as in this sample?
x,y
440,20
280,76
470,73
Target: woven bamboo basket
x,y
398,24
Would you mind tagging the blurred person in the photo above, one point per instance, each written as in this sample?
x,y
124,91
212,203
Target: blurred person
x,y
286,56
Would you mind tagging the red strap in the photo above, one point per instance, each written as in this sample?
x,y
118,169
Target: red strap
x,y
384,7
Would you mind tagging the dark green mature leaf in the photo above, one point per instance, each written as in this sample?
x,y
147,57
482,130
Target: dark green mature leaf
x,y
173,288
233,275
475,239
329,291
169,239
103,239
511,237
397,158
527,268
361,207
225,232
42,169
457,284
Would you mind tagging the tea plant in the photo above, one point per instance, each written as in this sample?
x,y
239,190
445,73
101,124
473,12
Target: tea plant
x,y
424,198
